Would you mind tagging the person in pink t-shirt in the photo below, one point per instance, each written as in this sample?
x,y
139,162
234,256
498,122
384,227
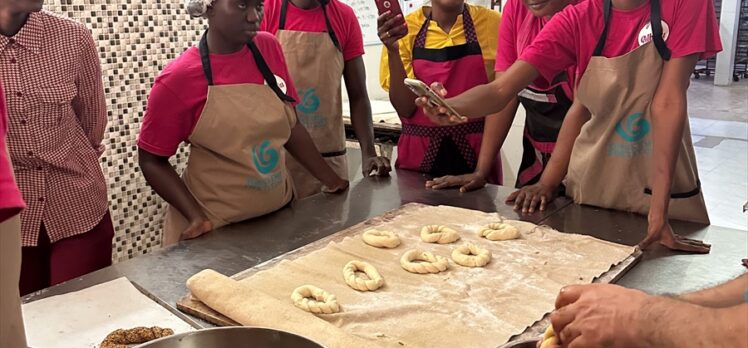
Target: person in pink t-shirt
x,y
230,98
323,43
545,104
11,203
633,63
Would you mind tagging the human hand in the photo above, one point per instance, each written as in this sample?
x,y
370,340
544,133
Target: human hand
x,y
466,182
600,315
438,114
378,164
529,197
659,230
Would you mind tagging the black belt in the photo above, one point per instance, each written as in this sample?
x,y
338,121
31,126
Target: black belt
x,y
334,153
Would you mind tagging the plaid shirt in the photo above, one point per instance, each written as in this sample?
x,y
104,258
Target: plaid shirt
x,y
57,111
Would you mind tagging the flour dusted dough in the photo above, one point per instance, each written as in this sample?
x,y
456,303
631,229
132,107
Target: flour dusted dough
x,y
313,299
439,234
549,338
381,239
433,263
470,255
374,282
499,231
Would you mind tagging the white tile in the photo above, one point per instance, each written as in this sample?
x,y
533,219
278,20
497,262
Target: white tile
x,y
728,129
699,124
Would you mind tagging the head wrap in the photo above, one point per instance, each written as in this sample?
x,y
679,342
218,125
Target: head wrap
x,y
197,8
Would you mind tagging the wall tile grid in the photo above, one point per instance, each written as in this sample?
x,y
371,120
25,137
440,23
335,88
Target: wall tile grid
x,y
135,40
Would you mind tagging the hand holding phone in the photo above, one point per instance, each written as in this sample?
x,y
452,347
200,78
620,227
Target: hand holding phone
x,y
391,25
434,99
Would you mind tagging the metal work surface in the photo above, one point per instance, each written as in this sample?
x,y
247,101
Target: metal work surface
x,y
235,248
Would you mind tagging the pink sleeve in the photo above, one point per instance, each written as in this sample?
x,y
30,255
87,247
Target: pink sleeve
x,y
506,54
694,29
352,41
167,122
555,48
11,201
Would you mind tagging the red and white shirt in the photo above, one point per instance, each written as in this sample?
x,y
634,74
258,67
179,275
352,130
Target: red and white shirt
x,y
10,197
57,112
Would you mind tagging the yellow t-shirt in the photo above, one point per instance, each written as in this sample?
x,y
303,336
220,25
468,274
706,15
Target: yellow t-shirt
x,y
486,22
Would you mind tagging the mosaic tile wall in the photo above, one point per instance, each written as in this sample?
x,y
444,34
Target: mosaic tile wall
x,y
135,40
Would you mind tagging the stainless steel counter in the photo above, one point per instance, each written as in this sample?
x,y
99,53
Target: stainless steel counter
x,y
235,248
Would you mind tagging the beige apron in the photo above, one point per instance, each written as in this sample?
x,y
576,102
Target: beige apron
x,y
316,67
236,165
12,334
611,159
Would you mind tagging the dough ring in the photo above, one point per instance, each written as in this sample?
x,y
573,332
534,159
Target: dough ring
x,y
549,338
499,231
123,338
439,234
313,299
381,239
469,255
433,263
374,281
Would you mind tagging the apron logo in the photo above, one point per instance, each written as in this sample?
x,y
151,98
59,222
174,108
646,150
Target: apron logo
x,y
309,101
307,109
265,159
645,35
633,128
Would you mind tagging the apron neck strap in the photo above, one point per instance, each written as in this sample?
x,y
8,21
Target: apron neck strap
x,y
323,4
267,74
656,23
467,23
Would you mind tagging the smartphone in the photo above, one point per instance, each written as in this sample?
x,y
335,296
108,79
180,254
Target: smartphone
x,y
389,5
423,90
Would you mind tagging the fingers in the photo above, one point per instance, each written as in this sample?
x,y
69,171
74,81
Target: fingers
x,y
512,196
568,295
439,89
691,247
562,317
527,203
649,239
534,202
442,182
473,185
520,199
543,202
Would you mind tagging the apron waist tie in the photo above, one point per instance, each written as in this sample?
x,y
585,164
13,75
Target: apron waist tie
x,y
334,153
437,133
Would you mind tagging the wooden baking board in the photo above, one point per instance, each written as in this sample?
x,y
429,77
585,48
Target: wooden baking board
x,y
193,306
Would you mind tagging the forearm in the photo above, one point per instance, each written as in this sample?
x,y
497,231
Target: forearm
x,y
362,125
558,165
493,97
494,134
728,294
667,125
670,323
162,177
302,148
402,99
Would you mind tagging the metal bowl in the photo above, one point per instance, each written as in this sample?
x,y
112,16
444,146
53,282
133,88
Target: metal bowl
x,y
233,337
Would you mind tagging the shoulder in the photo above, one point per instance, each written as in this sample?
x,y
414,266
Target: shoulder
x,y
342,9
182,71
268,44
60,24
480,13
416,19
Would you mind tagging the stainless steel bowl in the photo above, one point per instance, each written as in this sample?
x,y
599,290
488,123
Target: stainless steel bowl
x,y
233,337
